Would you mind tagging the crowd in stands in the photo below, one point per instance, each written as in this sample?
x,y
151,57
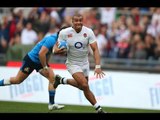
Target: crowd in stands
x,y
121,32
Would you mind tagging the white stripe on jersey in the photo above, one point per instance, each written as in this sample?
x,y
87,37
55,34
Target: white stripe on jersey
x,y
78,43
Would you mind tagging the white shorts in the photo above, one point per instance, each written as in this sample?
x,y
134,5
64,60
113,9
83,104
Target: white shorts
x,y
74,68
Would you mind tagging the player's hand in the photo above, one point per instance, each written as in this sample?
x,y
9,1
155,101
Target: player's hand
x,y
58,50
99,73
63,51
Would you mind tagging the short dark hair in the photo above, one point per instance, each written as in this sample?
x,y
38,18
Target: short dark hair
x,y
64,27
77,15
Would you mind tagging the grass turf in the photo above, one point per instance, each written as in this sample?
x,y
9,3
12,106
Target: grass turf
x,y
22,107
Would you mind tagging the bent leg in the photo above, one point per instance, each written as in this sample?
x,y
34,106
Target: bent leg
x,y
50,78
83,83
20,77
73,83
64,80
51,91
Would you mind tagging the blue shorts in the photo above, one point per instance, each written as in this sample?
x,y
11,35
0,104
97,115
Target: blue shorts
x,y
28,65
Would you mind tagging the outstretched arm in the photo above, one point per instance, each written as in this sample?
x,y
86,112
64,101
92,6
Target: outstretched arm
x,y
98,72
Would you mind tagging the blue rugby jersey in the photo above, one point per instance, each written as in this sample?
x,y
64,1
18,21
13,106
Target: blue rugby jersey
x,y
48,42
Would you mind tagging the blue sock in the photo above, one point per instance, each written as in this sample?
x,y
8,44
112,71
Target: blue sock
x,y
51,96
2,82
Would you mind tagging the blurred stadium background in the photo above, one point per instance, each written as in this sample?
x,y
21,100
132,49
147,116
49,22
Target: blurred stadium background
x,y
128,37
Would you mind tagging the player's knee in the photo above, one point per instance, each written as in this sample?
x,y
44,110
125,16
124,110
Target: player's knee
x,y
84,86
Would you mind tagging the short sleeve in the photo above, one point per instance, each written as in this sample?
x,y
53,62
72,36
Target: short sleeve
x,y
50,42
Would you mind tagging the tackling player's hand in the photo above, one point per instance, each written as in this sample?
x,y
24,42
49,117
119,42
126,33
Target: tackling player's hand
x,y
99,73
58,50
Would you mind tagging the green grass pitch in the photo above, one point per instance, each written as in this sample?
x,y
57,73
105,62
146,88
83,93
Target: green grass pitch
x,y
23,107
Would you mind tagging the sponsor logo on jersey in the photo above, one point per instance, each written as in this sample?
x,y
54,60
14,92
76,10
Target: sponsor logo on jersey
x,y
78,45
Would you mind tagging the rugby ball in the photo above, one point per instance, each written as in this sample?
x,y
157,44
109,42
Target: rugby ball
x,y
62,44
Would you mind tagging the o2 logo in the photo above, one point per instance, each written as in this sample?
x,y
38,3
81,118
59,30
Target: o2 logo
x,y
78,45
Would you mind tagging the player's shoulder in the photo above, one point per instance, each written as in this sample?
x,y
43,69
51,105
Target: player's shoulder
x,y
51,38
54,35
87,29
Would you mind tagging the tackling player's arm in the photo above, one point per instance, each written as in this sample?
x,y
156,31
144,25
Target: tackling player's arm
x,y
43,60
42,56
98,72
48,58
57,50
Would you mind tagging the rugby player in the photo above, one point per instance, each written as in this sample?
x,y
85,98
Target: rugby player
x,y
37,59
79,38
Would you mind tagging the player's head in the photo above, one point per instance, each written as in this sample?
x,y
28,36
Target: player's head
x,y
77,21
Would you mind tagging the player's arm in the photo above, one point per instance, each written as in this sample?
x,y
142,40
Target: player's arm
x,y
57,50
42,56
96,54
48,58
98,72
94,47
43,60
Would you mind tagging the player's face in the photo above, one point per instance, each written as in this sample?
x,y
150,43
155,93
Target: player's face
x,y
77,23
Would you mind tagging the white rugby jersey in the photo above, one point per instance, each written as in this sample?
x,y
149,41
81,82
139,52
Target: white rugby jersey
x,y
78,43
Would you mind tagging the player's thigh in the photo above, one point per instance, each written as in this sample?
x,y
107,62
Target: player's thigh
x,y
27,65
51,73
50,77
25,70
77,73
80,78
21,76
